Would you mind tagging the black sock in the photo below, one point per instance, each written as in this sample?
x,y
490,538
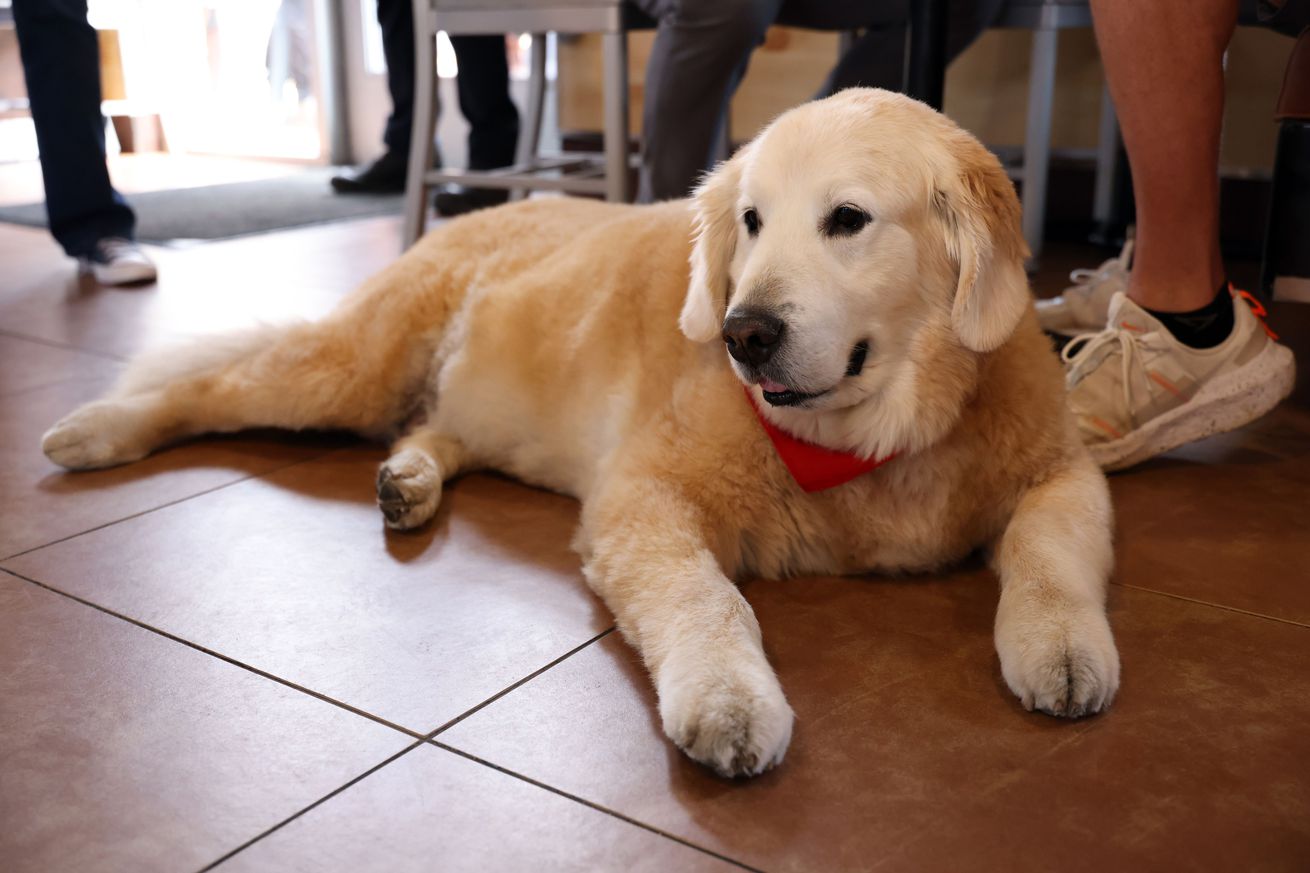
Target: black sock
x,y
1202,328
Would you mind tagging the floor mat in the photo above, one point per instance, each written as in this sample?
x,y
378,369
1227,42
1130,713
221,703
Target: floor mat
x,y
221,211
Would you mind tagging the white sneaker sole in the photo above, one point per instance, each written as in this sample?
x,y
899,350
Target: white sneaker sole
x,y
1224,403
123,274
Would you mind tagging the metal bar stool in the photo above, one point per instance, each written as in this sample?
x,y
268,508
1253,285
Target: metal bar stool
x,y
1046,18
605,173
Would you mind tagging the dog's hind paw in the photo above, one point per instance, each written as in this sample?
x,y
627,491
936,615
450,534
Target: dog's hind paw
x,y
409,489
1064,664
733,718
97,435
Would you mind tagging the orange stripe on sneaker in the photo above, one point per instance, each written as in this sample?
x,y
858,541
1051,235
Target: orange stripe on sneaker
x,y
1165,383
1134,328
1105,426
1257,308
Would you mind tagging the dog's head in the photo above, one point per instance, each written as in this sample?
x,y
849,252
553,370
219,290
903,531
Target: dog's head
x,y
856,259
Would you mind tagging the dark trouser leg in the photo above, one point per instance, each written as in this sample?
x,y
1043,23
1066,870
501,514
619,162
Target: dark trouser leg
x,y
877,59
699,56
61,62
396,18
484,100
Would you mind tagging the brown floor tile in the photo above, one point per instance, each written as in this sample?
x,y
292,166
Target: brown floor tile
x,y
295,574
41,503
123,750
1223,520
29,256
219,286
907,741
26,365
444,812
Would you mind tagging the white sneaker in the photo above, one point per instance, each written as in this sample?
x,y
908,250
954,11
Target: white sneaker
x,y
1084,305
118,261
1136,391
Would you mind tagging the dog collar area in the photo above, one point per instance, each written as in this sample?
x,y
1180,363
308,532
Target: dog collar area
x,y
813,467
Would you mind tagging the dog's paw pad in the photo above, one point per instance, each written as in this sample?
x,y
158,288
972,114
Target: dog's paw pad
x,y
408,489
97,435
1065,666
739,725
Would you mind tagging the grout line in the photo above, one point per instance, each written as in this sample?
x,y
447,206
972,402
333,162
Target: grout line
x,y
526,679
610,812
419,740
318,695
68,347
151,509
1236,609
324,799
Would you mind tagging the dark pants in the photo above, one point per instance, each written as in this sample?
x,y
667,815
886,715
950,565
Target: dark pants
x,y
700,55
61,62
483,85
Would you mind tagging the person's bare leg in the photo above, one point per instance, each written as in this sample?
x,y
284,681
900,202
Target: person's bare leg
x,y
1164,64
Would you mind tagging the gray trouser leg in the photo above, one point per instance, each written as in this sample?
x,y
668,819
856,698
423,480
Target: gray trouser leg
x,y
699,56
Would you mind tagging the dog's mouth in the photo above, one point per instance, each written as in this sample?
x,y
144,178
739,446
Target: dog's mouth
x,y
778,394
855,363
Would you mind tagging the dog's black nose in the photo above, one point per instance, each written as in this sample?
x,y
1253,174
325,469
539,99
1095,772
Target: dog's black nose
x,y
752,337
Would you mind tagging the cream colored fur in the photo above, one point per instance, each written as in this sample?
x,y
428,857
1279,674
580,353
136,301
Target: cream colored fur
x,y
541,339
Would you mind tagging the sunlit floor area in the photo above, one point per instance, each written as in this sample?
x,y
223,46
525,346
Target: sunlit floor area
x,y
219,657
137,173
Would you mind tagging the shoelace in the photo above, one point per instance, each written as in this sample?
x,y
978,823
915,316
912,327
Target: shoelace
x,y
1086,279
1084,347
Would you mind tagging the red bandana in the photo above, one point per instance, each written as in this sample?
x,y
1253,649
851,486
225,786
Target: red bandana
x,y
813,467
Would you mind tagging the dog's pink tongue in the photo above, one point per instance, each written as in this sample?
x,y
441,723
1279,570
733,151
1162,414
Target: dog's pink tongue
x,y
772,387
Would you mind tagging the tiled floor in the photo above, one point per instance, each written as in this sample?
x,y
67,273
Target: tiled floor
x,y
219,657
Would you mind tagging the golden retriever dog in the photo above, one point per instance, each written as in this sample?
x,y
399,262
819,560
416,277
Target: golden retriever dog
x,y
851,283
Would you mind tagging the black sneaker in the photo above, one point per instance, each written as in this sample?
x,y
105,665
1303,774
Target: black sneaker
x,y
454,200
386,175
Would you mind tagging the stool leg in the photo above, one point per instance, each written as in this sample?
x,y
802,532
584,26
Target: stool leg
x,y
1107,145
425,121
530,130
616,116
1037,139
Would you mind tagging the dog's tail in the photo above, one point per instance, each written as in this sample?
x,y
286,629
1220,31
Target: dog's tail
x,y
362,368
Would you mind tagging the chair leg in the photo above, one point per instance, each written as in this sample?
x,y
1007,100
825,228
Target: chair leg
x,y
530,129
425,121
616,116
1107,145
1037,139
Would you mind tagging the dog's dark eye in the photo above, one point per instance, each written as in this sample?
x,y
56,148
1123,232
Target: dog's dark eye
x,y
846,221
752,219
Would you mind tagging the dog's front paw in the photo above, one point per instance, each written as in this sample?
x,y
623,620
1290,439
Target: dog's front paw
x,y
409,489
100,434
1061,661
726,713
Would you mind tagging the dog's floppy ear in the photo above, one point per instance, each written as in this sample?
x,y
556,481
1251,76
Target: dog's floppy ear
x,y
981,214
715,202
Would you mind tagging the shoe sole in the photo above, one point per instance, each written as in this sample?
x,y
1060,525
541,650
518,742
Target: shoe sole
x,y
1223,404
124,274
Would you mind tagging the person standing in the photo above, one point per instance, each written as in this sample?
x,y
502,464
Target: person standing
x,y
483,85
87,217
1167,350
